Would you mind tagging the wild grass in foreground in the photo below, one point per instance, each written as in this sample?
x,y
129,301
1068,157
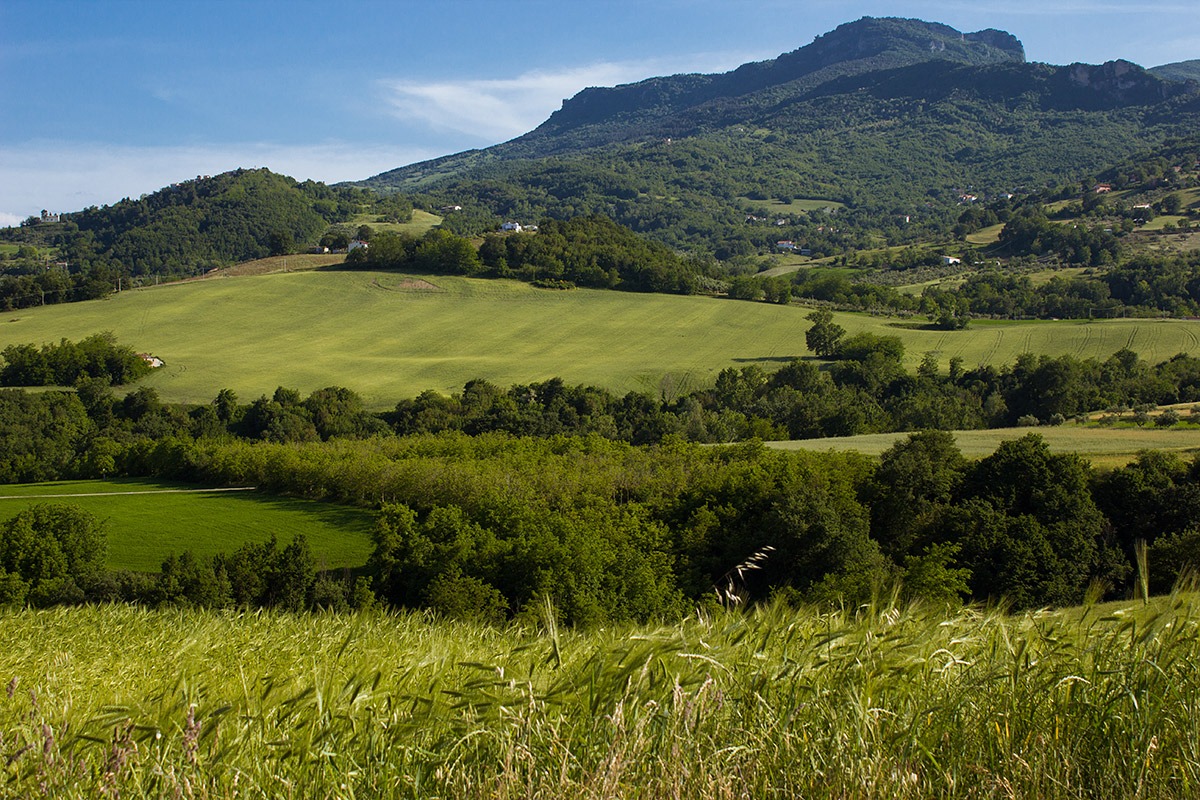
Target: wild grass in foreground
x,y
878,702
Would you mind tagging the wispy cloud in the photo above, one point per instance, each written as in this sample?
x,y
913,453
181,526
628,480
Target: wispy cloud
x,y
68,176
494,109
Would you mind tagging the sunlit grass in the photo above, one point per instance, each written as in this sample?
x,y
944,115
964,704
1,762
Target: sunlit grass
x,y
311,329
145,521
884,701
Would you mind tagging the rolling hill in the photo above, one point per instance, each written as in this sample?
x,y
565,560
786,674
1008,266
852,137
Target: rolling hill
x,y
390,336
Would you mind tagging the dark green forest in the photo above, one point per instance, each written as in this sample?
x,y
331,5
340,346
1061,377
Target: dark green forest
x,y
614,508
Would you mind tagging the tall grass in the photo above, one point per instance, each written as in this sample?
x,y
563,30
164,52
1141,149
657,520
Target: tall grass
x,y
884,701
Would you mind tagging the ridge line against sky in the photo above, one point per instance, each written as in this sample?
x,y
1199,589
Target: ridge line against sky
x,y
105,100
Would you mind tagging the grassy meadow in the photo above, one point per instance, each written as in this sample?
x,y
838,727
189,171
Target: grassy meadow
x,y
421,222
882,701
1104,447
148,520
389,336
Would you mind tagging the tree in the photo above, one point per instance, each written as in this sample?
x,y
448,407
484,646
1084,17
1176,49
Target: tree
x,y
825,334
1028,526
280,243
56,551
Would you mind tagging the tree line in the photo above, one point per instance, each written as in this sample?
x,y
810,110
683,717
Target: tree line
x,y
584,251
488,528
865,389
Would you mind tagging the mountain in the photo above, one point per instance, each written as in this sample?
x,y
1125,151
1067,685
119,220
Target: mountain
x,y
1179,71
895,119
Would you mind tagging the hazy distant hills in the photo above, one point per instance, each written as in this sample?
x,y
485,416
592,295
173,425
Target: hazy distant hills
x,y
887,116
1180,71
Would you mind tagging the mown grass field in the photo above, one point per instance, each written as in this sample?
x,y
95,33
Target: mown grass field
x,y
986,236
388,336
798,205
421,222
883,701
147,520
1104,447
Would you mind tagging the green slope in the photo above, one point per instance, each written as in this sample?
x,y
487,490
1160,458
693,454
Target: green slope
x,y
390,336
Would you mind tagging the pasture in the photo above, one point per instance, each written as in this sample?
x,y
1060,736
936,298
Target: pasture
x,y
421,222
148,520
391,336
799,205
986,236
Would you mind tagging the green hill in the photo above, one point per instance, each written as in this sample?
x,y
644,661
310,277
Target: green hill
x,y
391,336
1179,71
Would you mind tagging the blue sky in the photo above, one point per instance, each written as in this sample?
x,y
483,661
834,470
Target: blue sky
x,y
112,98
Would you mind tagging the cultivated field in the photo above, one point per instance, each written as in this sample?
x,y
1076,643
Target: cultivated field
x,y
148,520
887,701
1104,447
390,336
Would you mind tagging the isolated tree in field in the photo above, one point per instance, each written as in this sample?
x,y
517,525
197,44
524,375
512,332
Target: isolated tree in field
x,y
825,334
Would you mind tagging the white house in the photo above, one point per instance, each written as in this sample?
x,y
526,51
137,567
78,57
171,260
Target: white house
x,y
951,260
515,227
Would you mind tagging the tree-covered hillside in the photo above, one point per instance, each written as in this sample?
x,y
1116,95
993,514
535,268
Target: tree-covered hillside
x,y
896,119
1179,71
184,229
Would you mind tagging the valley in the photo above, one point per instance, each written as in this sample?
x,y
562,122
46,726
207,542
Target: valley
x,y
824,427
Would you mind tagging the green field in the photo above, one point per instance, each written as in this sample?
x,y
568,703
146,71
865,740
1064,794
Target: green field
x,y
1102,446
799,205
421,222
989,235
1160,222
149,520
390,336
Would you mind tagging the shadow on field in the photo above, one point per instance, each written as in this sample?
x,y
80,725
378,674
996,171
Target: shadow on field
x,y
770,359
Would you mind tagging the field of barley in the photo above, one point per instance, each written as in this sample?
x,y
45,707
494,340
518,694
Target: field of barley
x,y
879,701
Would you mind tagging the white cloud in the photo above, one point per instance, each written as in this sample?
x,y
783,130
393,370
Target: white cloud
x,y
495,109
69,176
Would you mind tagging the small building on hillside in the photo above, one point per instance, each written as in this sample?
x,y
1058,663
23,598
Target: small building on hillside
x,y
357,244
950,260
513,227
786,245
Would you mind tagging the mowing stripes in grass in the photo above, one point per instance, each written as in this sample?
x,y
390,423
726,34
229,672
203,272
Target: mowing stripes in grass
x,y
309,330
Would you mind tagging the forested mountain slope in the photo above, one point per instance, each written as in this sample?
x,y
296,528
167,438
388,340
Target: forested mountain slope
x,y
897,119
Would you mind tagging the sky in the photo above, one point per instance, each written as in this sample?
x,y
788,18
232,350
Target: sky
x,y
106,99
